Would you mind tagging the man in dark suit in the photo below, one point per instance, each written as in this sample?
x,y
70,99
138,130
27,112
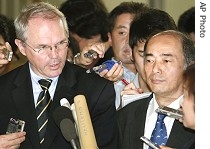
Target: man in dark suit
x,y
166,56
42,36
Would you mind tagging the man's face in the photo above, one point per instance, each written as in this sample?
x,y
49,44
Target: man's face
x,y
120,38
138,54
42,33
188,108
164,65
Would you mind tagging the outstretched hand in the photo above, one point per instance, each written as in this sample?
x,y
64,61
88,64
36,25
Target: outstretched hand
x,y
114,74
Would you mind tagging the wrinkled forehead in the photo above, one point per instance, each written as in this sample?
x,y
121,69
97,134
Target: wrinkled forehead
x,y
169,37
165,41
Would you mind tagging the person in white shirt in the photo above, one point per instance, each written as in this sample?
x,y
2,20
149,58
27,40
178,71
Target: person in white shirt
x,y
120,19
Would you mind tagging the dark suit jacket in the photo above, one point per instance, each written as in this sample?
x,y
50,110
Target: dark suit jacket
x,y
16,101
131,120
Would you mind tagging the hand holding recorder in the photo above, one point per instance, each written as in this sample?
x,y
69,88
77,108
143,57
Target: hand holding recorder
x,y
89,53
12,140
110,70
14,135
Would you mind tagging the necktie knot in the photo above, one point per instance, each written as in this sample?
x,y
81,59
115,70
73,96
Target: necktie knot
x,y
161,117
45,83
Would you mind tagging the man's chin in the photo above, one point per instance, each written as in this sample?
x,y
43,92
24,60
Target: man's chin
x,y
54,73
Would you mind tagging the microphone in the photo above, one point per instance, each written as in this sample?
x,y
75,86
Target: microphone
x,y
64,102
63,119
87,136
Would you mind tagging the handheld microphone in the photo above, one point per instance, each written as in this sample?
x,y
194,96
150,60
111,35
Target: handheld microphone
x,y
87,136
64,102
63,118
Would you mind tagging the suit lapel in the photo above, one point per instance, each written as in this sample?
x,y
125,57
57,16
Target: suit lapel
x,y
139,121
25,104
179,135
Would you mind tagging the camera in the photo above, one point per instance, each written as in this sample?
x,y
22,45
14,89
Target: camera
x,y
15,126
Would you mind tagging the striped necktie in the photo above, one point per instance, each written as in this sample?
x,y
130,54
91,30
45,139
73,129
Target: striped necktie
x,y
159,134
42,107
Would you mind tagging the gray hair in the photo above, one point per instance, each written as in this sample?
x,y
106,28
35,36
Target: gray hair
x,y
39,9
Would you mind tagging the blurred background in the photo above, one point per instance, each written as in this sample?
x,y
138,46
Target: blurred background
x,y
11,8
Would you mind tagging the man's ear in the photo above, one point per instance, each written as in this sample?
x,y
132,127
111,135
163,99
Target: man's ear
x,y
110,38
20,46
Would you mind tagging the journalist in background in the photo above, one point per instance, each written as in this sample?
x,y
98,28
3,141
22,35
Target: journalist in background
x,y
42,36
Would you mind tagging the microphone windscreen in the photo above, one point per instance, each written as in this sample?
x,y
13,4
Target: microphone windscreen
x,y
65,102
87,136
61,113
68,129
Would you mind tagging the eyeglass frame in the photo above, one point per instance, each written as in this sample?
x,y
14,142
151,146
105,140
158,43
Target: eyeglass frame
x,y
46,46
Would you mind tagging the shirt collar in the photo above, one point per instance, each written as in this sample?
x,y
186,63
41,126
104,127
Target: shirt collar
x,y
153,105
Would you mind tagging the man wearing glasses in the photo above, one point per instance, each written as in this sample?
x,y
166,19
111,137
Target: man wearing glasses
x,y
42,36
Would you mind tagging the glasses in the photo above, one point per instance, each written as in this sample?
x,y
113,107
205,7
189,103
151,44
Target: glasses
x,y
45,49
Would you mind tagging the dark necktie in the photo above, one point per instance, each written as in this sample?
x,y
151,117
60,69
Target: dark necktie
x,y
159,134
42,107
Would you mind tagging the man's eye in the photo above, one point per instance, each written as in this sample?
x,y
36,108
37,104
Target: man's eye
x,y
141,53
43,47
59,43
149,61
122,33
167,61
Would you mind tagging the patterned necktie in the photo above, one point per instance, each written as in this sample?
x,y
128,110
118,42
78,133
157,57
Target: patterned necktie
x,y
42,107
159,134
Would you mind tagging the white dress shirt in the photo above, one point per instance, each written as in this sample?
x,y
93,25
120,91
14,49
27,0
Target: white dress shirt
x,y
151,117
37,88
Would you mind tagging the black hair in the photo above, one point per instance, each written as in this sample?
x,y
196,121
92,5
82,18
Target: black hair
x,y
186,21
7,31
86,18
135,8
148,23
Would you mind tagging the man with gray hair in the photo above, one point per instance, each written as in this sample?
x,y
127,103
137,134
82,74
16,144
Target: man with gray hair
x,y
42,36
